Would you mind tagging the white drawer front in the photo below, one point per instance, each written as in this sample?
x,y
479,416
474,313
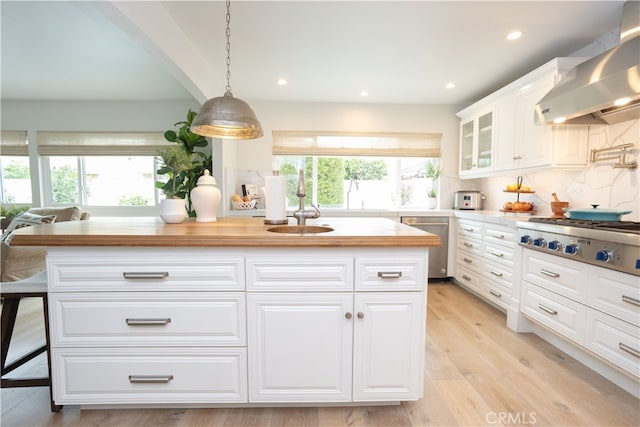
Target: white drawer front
x,y
615,341
562,315
498,235
615,293
470,261
500,254
151,375
299,274
148,319
566,277
470,228
404,274
496,293
131,274
469,245
469,278
498,273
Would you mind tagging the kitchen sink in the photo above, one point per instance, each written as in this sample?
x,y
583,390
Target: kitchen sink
x,y
300,229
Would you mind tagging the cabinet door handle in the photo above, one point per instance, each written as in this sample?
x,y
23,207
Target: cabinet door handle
x,y
498,254
150,378
630,300
360,315
142,275
495,273
632,351
348,315
467,244
467,260
495,294
389,274
549,273
547,309
148,321
467,278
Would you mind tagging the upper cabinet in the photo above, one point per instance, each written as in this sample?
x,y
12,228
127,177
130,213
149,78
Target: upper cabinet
x,y
476,141
516,141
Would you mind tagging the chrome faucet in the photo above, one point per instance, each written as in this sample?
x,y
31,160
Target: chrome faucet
x,y
302,214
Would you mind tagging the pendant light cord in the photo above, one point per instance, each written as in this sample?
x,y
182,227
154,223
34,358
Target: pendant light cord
x,y
228,35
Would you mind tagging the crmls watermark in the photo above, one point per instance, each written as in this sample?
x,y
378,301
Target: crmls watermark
x,y
507,418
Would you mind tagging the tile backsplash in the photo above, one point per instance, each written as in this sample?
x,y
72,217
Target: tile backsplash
x,y
597,183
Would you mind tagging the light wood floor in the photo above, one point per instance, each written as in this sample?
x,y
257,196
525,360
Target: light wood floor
x,y
478,372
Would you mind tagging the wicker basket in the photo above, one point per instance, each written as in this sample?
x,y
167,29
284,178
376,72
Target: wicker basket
x,y
243,206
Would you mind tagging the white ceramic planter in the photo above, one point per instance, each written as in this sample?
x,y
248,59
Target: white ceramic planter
x,y
173,211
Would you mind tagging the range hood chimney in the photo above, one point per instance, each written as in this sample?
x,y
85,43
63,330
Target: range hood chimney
x,y
604,89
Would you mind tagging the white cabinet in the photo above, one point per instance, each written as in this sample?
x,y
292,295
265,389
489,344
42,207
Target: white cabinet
x,y
302,347
518,143
476,141
469,254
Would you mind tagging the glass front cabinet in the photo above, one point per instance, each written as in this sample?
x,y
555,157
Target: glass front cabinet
x,y
476,142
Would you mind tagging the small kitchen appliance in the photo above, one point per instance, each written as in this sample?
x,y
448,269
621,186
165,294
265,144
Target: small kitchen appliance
x,y
613,245
468,200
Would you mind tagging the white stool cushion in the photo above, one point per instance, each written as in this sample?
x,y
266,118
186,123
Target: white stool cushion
x,y
36,283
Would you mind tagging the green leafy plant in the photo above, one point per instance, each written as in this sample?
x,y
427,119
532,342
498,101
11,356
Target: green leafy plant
x,y
187,179
175,161
434,172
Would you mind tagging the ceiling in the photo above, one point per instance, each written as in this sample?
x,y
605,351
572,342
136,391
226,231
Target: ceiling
x,y
329,51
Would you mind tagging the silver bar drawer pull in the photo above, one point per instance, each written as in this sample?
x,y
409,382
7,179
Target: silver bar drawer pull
x,y
549,273
389,274
632,351
499,236
495,294
147,321
467,244
467,278
142,275
150,378
468,229
495,273
498,254
467,260
547,309
631,300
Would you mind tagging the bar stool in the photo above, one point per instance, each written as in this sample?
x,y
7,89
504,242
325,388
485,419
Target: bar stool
x,y
12,293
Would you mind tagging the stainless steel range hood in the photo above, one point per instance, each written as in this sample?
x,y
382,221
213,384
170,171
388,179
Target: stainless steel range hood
x,y
593,91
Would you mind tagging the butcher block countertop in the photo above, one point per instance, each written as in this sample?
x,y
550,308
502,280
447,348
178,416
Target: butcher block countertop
x,y
232,232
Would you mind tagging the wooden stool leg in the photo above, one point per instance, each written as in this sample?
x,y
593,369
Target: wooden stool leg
x,y
45,306
9,313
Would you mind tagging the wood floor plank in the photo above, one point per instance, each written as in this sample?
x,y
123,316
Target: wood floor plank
x,y
349,416
385,416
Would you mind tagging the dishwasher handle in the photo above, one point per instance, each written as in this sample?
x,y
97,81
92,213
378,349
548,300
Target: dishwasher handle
x,y
426,223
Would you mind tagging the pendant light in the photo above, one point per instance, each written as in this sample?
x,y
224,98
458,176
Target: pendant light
x,y
226,116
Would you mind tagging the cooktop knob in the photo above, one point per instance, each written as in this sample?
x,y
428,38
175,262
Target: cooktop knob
x,y
525,240
571,249
539,242
554,245
604,255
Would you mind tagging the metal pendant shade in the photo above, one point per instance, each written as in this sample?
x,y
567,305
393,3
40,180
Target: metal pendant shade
x,y
225,116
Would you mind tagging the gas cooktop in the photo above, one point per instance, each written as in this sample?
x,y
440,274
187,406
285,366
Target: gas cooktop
x,y
623,226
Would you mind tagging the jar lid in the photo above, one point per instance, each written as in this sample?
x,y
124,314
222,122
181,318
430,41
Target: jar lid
x,y
206,179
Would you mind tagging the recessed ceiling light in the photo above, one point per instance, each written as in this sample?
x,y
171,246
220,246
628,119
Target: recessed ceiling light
x,y
559,120
364,93
282,82
621,101
450,85
514,35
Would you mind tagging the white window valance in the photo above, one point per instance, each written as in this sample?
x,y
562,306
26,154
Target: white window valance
x,y
14,143
322,143
100,143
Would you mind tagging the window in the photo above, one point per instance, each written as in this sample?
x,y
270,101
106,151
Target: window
x,y
15,173
100,169
358,171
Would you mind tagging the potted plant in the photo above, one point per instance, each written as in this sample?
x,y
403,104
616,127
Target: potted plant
x,y
175,161
432,171
187,179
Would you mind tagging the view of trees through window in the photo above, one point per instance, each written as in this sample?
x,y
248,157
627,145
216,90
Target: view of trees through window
x,y
358,182
15,180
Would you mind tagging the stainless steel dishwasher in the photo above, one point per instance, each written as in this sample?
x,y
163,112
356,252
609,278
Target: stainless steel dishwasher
x,y
438,255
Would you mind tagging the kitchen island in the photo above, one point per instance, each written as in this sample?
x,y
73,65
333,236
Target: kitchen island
x,y
231,314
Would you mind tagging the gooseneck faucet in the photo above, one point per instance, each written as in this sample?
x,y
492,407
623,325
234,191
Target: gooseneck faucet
x,y
302,214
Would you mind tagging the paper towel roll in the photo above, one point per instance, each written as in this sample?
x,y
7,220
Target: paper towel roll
x,y
275,203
